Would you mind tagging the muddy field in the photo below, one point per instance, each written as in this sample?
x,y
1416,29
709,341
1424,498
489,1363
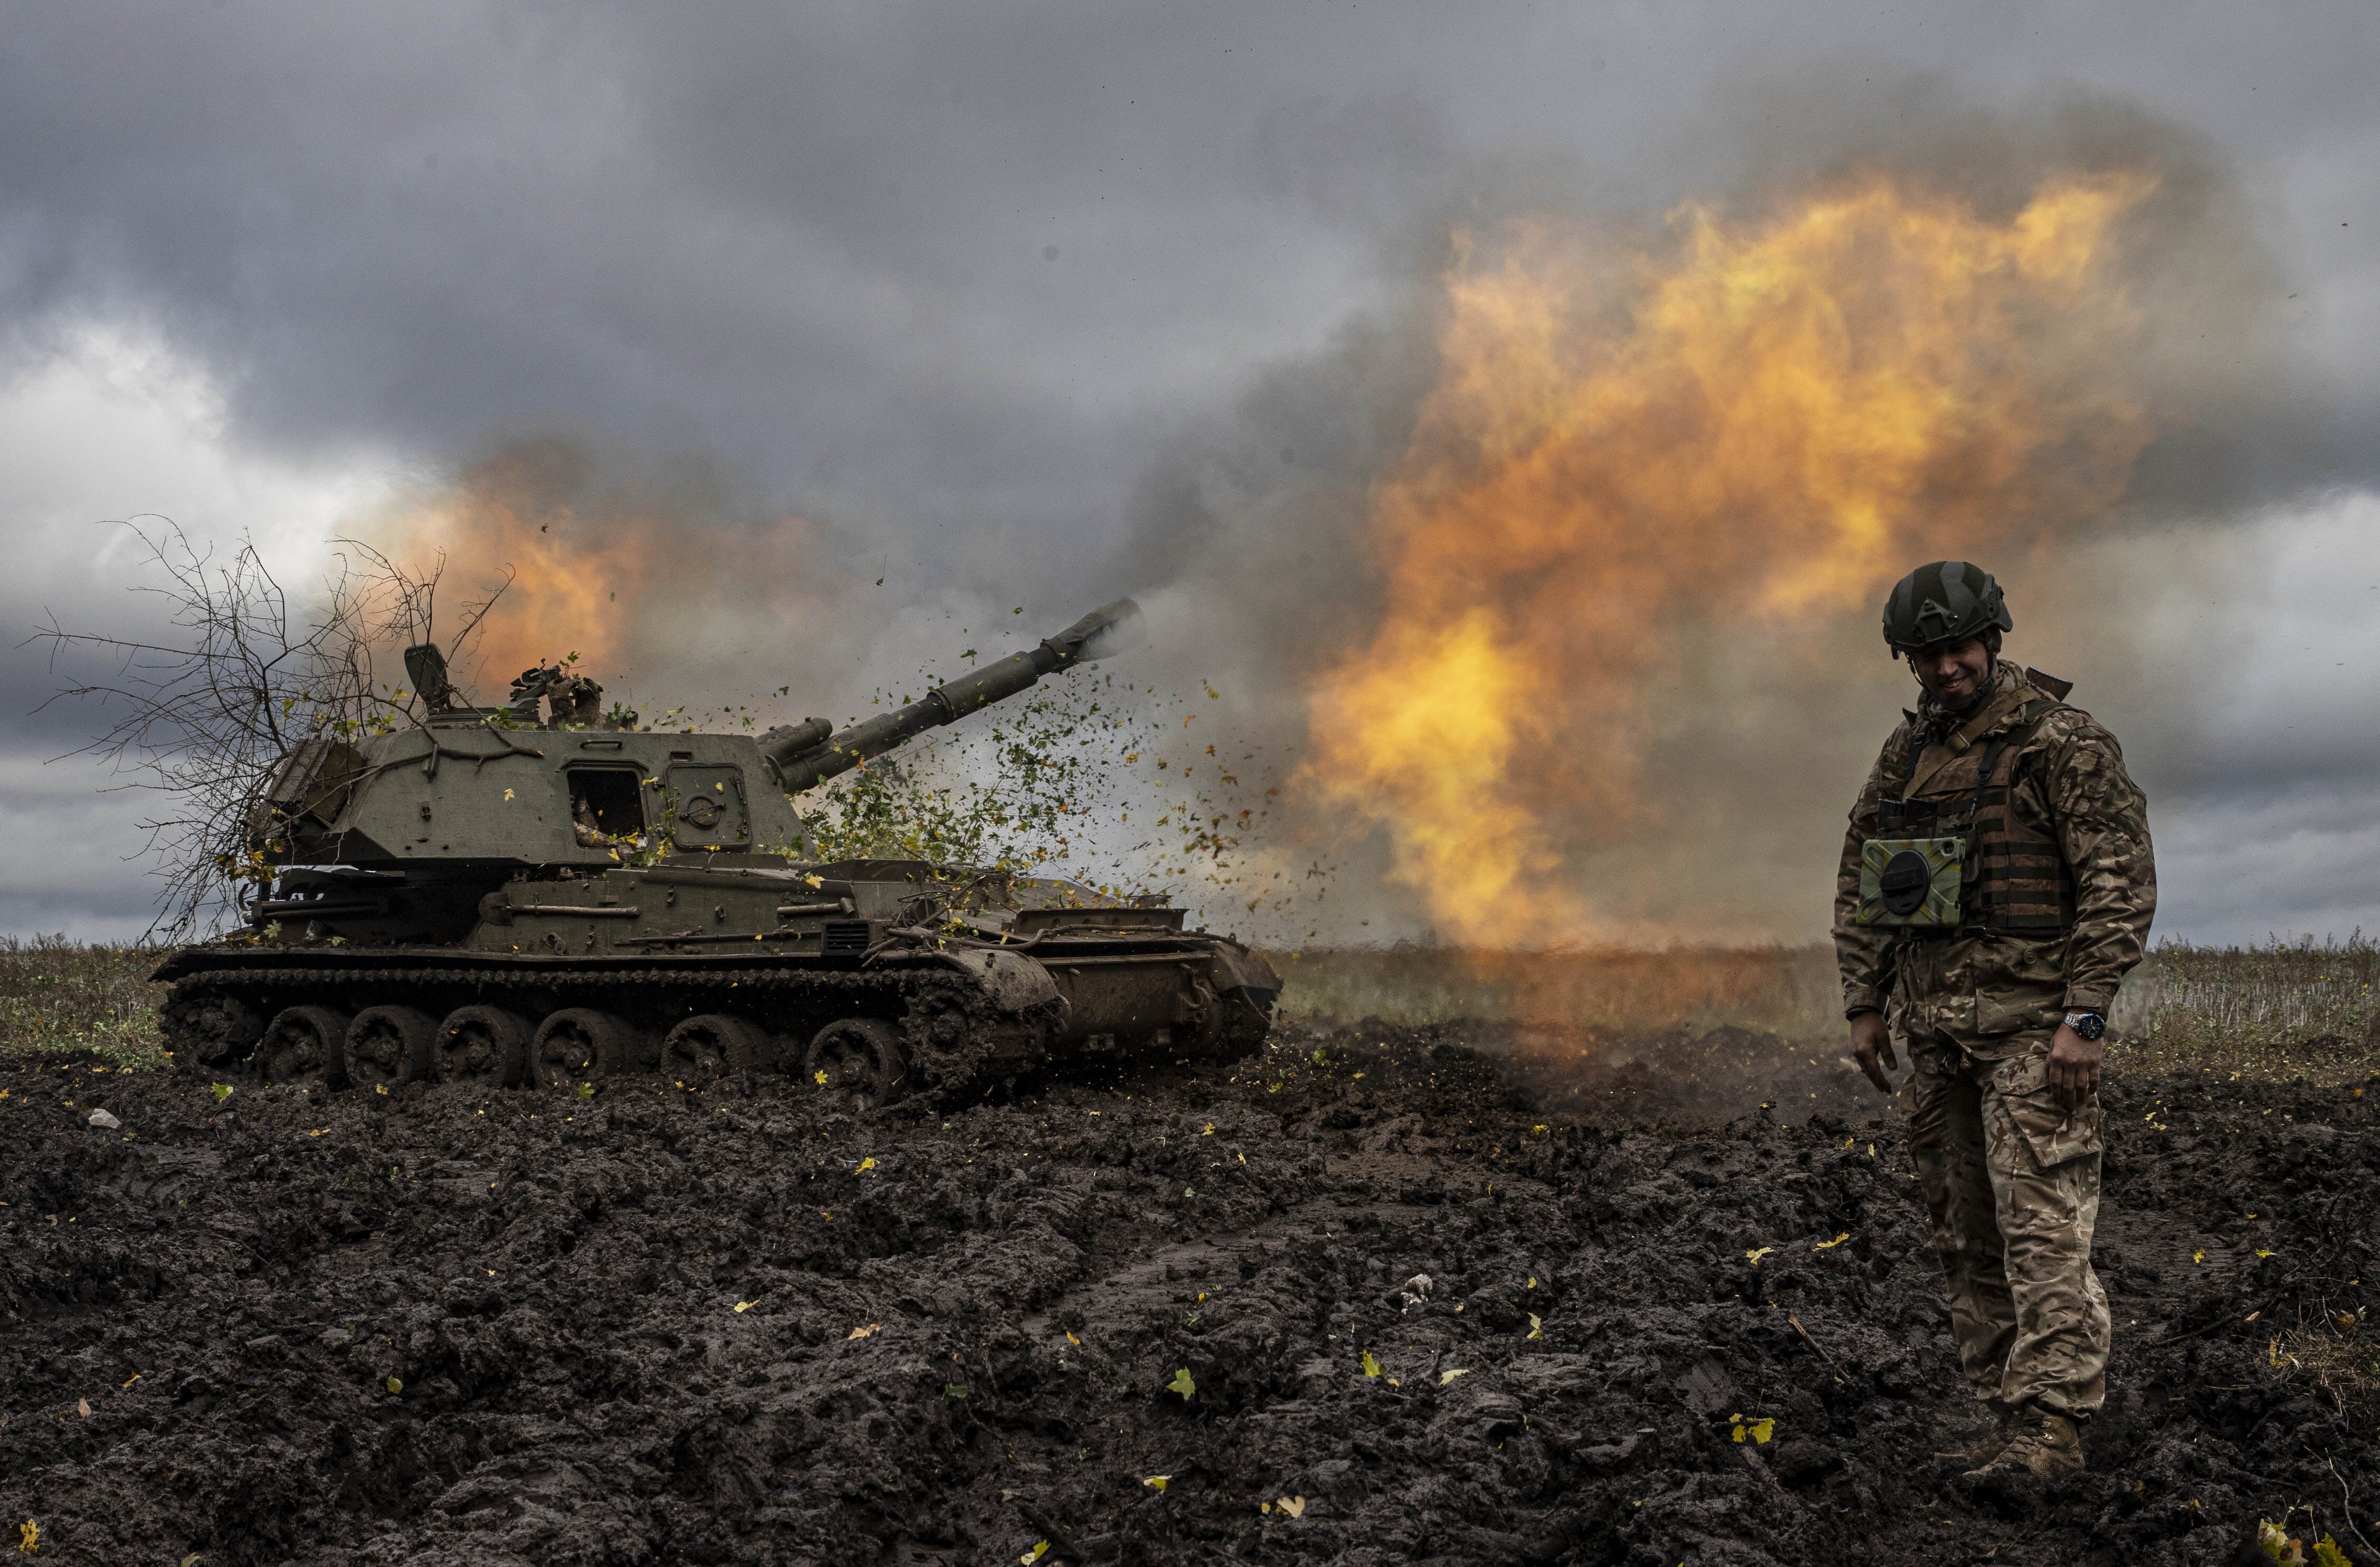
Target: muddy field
x,y
1139,1320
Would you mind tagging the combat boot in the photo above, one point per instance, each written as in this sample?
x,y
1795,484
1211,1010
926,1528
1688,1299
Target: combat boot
x,y
2046,1445
2006,1425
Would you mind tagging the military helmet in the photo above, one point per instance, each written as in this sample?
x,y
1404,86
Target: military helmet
x,y
1944,601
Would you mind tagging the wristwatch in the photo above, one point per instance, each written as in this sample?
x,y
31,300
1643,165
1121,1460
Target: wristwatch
x,y
2090,1024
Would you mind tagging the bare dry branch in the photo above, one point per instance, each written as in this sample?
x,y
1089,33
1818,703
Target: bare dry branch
x,y
204,716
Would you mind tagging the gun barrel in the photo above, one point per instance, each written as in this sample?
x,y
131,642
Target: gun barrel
x,y
1105,630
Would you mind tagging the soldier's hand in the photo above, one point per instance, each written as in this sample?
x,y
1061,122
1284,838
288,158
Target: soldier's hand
x,y
1872,1048
2074,1066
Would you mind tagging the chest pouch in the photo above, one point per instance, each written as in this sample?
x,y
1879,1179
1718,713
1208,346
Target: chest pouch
x,y
1912,879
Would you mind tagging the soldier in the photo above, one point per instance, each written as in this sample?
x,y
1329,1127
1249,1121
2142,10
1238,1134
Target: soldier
x,y
1996,884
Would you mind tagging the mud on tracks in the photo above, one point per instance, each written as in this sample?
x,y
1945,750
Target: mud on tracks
x,y
425,1327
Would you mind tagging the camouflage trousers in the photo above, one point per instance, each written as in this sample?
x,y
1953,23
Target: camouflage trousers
x,y
2011,1179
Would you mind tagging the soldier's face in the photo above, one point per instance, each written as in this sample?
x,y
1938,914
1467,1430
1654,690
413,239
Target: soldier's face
x,y
1953,671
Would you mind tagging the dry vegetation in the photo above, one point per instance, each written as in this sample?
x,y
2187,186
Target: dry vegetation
x,y
2282,1010
2279,1011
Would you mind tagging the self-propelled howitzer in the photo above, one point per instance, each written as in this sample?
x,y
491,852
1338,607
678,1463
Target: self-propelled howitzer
x,y
510,897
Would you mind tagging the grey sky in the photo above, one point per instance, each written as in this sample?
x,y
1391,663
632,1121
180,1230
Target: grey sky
x,y
973,286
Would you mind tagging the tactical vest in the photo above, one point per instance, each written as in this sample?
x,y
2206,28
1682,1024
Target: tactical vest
x,y
2014,877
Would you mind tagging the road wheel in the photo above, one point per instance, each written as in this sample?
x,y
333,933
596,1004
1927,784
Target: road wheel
x,y
220,1028
388,1045
579,1044
302,1045
859,1060
485,1046
708,1046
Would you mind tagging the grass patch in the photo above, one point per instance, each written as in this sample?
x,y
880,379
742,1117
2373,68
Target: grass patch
x,y
2343,1367
1788,991
2285,1009
2280,1012
61,998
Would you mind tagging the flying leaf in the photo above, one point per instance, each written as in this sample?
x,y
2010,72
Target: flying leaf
x,y
1371,1367
864,1331
1534,1324
1756,1253
1293,1505
1157,1482
1445,1377
1830,1246
1182,1384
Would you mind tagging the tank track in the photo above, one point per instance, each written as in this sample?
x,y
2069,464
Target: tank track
x,y
957,1042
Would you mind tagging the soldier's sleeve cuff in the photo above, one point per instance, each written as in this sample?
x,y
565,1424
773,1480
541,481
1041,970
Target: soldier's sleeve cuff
x,y
1861,998
2090,1001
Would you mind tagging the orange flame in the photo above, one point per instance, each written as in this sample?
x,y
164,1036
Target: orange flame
x,y
1766,429
618,571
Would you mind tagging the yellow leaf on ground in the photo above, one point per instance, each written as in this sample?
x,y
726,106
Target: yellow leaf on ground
x,y
1445,1377
859,1333
820,1075
2263,1254
1157,1482
1293,1505
29,1537
744,1305
1830,1246
2198,1256
1756,1253
82,1407
866,1165
395,1386
1182,1384
1757,1430
1371,1367
1534,1324
1209,1131
1040,1548
1071,1340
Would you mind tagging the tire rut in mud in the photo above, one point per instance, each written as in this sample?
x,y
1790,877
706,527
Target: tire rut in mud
x,y
435,1326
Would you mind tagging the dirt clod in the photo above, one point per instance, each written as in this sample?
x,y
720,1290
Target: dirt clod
x,y
1445,1296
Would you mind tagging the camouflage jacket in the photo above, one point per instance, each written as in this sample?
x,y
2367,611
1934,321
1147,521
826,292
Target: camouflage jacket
x,y
2001,991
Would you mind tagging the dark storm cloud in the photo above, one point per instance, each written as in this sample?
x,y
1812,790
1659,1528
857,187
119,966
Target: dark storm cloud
x,y
1038,302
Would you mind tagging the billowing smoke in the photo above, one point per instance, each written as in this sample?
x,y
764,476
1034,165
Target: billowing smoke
x,y
1560,579
660,580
